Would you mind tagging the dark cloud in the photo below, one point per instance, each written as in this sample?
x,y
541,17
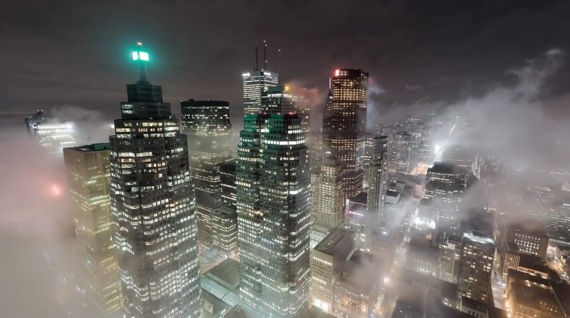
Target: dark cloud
x,y
59,52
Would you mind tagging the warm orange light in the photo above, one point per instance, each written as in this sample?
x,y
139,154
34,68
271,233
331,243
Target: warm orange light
x,y
337,73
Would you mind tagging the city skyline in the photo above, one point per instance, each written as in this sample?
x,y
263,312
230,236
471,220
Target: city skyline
x,y
436,199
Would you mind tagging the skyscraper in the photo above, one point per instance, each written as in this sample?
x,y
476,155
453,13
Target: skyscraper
x,y
207,125
445,184
344,124
256,82
277,99
153,206
53,135
475,266
331,199
377,179
89,179
273,200
33,120
400,152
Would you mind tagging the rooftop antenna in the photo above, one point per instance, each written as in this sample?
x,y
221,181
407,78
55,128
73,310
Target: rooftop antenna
x,y
256,57
279,61
264,54
141,57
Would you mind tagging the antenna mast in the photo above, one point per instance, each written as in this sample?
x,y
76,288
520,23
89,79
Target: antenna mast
x,y
264,54
256,57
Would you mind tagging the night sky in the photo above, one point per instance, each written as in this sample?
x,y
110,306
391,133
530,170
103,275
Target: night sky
x,y
56,53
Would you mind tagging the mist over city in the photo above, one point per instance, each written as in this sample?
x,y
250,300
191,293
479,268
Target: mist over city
x,y
360,159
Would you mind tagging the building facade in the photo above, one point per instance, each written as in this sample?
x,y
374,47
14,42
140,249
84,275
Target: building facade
x,y
273,206
377,179
207,125
330,196
254,84
475,266
153,208
344,124
89,179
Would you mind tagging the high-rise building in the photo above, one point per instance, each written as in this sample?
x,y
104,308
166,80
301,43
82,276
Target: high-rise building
x,y
33,120
344,124
89,180
377,179
529,236
331,199
228,179
224,218
273,200
207,125
153,207
445,184
305,113
52,135
475,266
400,152
277,99
256,82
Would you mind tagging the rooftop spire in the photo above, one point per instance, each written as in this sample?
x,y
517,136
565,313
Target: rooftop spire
x,y
141,57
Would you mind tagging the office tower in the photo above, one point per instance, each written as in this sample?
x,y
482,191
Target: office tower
x,y
315,192
278,99
228,180
462,157
529,236
344,124
89,178
327,127
331,202
445,184
449,254
327,261
377,180
207,125
52,135
356,217
427,147
33,120
256,82
475,265
273,198
153,207
224,218
400,152
305,113
224,231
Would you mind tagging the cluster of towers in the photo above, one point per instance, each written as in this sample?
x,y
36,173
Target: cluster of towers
x,y
160,193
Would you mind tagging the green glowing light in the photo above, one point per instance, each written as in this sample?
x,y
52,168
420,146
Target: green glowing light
x,y
143,56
